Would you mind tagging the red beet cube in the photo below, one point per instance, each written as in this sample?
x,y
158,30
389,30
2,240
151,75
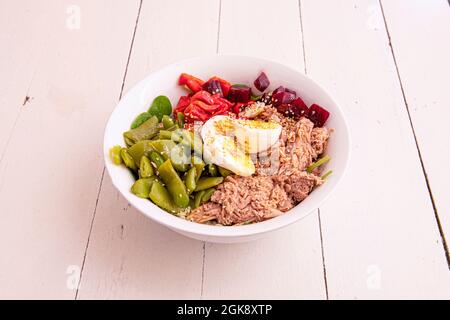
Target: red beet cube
x,y
299,108
213,86
290,91
262,82
239,93
318,115
282,97
279,89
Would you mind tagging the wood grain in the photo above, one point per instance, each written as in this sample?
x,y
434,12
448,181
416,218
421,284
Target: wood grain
x,y
129,255
421,47
380,234
288,264
50,173
23,26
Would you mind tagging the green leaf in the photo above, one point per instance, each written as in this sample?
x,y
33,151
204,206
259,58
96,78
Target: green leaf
x,y
140,119
160,106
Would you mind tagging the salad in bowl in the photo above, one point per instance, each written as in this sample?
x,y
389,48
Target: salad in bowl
x,y
227,153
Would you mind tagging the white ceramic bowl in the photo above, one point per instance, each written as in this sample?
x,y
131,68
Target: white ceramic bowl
x,y
236,69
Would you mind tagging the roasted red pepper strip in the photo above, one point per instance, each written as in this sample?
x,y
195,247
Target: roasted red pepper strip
x,y
205,106
193,113
218,99
204,96
183,102
193,83
237,107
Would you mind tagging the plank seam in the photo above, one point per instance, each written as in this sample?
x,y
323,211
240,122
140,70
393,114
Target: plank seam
x,y
430,193
203,269
323,255
90,232
5,149
103,172
303,34
218,26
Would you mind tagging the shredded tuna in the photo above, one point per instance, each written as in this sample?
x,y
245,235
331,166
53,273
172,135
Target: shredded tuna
x,y
280,182
319,139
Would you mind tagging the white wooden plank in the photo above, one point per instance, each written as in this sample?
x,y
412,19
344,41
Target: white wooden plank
x,y
23,26
51,170
380,234
288,264
129,255
421,46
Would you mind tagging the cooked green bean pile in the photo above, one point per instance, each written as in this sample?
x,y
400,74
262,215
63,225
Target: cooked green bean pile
x,y
166,160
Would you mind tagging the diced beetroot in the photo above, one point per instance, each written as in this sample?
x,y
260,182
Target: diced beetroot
x,y
283,89
279,89
299,108
239,93
262,82
282,97
213,86
291,91
318,115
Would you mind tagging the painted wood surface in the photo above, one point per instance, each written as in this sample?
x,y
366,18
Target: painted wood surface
x,y
129,255
380,234
377,237
50,172
421,47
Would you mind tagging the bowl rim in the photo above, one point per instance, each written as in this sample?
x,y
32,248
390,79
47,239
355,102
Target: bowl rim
x,y
185,226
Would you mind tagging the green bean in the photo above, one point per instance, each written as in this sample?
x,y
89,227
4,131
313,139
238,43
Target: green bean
x,y
187,137
167,122
170,135
176,153
208,193
199,166
208,182
128,142
145,131
156,158
326,175
176,136
190,181
165,135
174,184
180,119
173,128
161,197
191,140
145,168
318,163
224,172
114,154
142,187
191,203
164,147
212,170
198,199
140,149
127,159
140,119
180,157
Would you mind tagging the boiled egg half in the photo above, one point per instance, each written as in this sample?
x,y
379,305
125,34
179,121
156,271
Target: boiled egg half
x,y
229,142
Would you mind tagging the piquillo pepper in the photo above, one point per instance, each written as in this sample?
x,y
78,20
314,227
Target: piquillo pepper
x,y
194,84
